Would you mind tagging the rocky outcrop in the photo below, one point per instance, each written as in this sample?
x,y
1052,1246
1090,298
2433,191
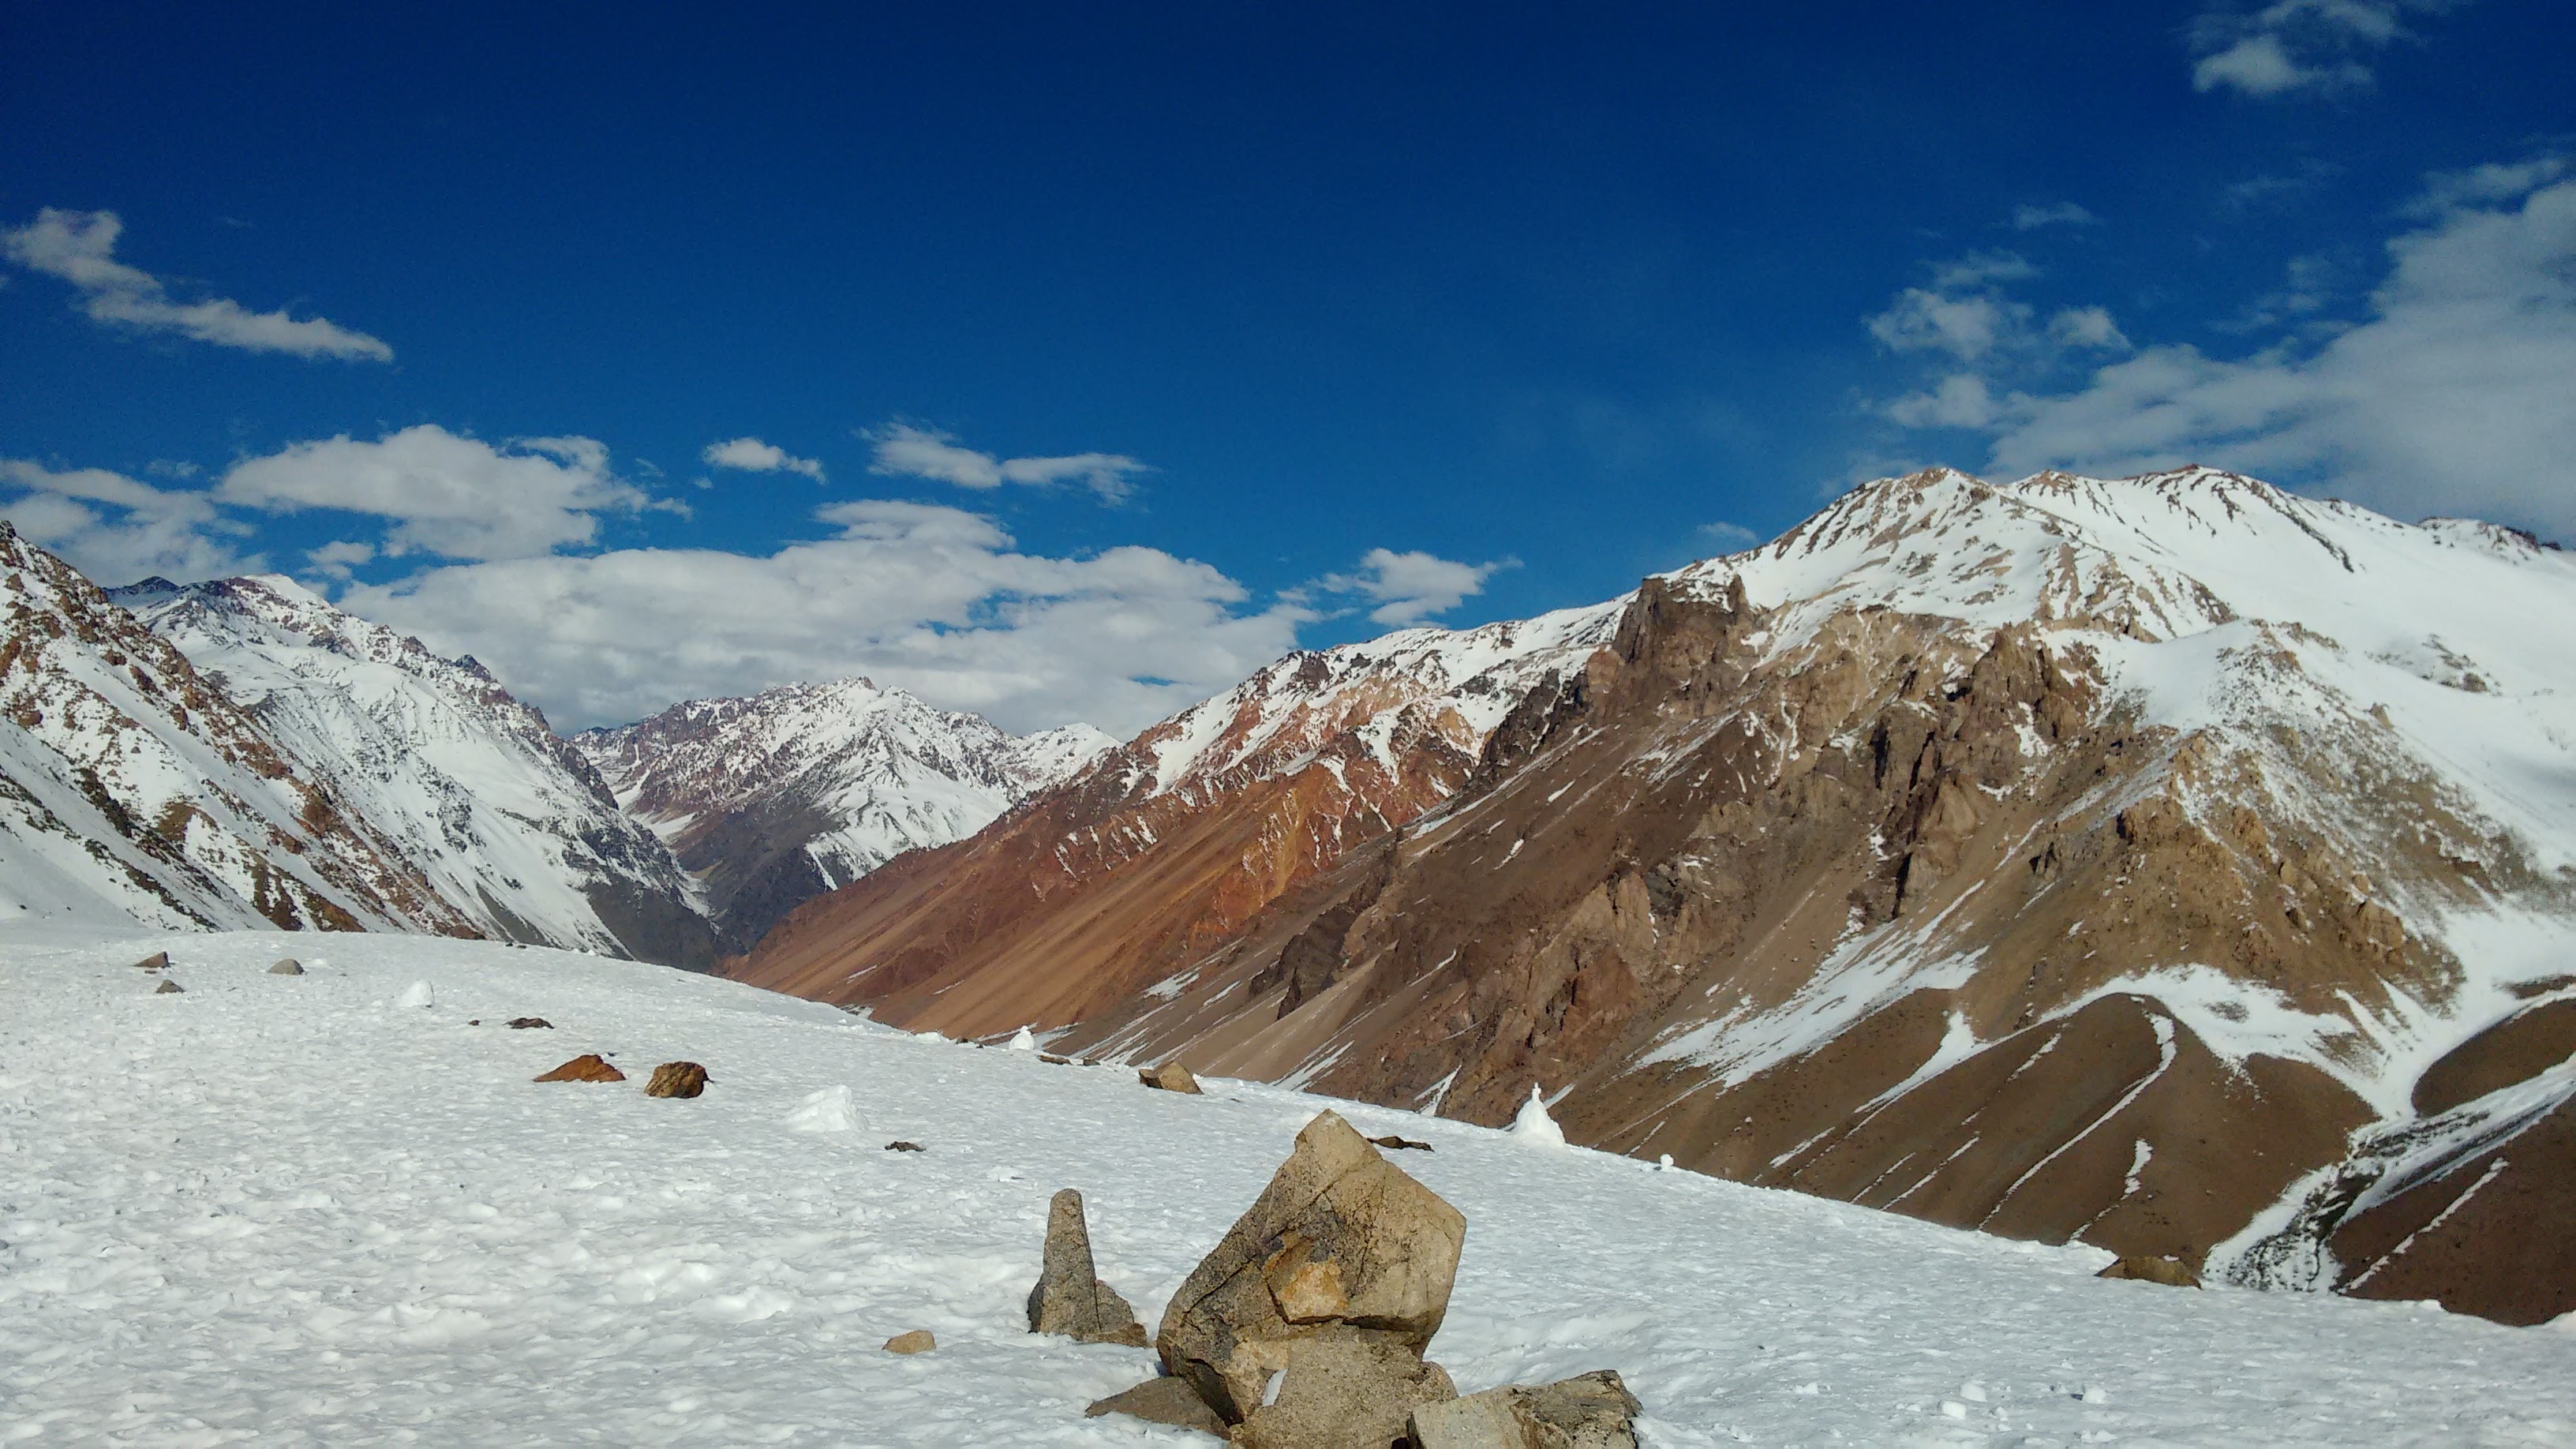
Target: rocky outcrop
x,y
1588,1411
1336,1278
1070,1297
677,1079
588,1067
1170,1077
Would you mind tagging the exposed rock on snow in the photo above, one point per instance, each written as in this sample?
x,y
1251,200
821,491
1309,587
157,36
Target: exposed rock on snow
x,y
775,798
588,1067
530,1023
919,1340
287,967
157,961
2171,1272
1170,1077
677,1079
1070,1297
1337,1276
1165,1400
167,987
1588,1411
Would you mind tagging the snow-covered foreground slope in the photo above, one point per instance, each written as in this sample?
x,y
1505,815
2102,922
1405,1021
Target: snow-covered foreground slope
x,y
293,1210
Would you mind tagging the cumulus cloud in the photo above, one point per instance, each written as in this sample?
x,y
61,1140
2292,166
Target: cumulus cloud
x,y
444,493
79,247
1966,327
116,529
1411,587
1961,400
934,599
1729,537
2063,213
338,560
1988,337
751,455
904,451
2087,327
2293,47
2450,395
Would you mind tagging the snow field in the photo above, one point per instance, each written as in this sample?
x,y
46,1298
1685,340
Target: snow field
x,y
290,1210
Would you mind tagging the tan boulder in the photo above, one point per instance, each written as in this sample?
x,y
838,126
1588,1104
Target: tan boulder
x,y
919,1340
677,1079
158,960
1164,1400
2171,1272
1070,1299
1588,1411
1340,1239
1171,1077
588,1067
167,987
1342,1388
287,967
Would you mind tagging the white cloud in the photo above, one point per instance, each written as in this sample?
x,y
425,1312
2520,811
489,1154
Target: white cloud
x,y
2293,47
338,560
2087,327
2063,213
1411,587
444,493
904,451
2451,395
936,600
116,529
1961,400
1729,537
1966,327
751,455
79,247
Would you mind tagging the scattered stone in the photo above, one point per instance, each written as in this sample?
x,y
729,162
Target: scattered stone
x,y
478,1021
527,1023
1165,1400
2171,1272
288,967
677,1079
1070,1298
588,1067
1343,1260
905,1147
1401,1142
1588,1411
158,960
1051,1059
168,987
917,1341
1171,1077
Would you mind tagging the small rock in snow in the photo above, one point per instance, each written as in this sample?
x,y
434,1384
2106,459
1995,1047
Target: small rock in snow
x,y
677,1079
1534,1126
588,1067
525,1023
417,994
905,1147
288,967
1171,1077
919,1340
167,987
1165,1400
2171,1272
1402,1142
154,962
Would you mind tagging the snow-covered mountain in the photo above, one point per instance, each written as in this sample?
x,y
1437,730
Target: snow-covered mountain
x,y
513,830
326,1209
2170,862
134,789
773,799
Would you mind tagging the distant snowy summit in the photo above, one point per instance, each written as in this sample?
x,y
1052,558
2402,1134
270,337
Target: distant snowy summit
x,y
773,799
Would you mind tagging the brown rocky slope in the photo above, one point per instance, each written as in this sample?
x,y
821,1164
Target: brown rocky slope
x,y
2069,859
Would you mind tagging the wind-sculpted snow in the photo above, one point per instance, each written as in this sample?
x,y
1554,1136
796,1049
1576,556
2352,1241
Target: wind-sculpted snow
x,y
514,830
294,1211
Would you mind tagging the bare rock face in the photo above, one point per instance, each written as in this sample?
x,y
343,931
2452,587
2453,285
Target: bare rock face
x,y
1343,1388
1170,1077
1341,1246
1070,1299
2171,1272
919,1340
1165,1400
1588,1411
677,1079
588,1067
288,967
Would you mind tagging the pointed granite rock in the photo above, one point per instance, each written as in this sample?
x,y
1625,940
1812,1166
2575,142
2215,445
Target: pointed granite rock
x,y
1070,1298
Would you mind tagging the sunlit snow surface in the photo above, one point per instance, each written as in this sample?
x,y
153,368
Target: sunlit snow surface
x,y
285,1210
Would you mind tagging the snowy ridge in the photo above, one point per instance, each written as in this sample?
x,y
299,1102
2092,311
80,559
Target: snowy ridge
x,y
847,775
513,829
204,1256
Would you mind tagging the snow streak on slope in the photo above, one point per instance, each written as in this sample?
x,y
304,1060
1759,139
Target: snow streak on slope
x,y
214,1251
511,825
821,784
134,790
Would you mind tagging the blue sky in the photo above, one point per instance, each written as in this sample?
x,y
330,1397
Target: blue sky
x,y
1085,358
